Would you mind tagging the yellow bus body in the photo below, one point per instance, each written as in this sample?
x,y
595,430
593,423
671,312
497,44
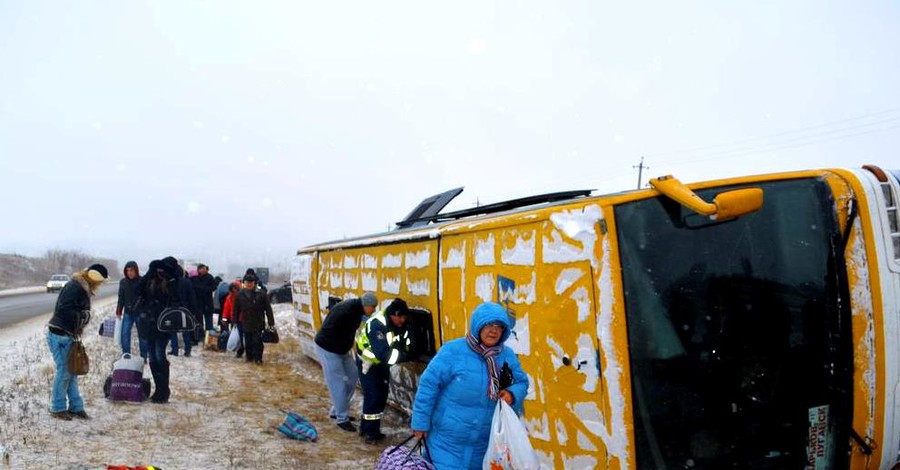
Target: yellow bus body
x,y
559,268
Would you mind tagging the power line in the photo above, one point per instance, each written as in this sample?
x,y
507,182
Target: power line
x,y
803,130
779,146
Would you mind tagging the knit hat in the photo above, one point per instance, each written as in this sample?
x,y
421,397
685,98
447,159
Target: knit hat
x,y
369,299
97,273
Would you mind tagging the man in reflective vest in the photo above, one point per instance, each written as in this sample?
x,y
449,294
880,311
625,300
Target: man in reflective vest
x,y
381,343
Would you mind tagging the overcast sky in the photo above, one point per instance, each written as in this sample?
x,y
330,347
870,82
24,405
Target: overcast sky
x,y
237,132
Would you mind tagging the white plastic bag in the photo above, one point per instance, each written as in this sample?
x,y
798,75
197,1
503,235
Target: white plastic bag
x,y
129,362
509,447
234,340
117,331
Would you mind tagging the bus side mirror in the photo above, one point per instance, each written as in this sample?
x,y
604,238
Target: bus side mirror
x,y
732,204
725,206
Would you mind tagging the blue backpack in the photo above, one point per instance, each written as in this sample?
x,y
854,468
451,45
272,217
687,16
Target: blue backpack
x,y
298,427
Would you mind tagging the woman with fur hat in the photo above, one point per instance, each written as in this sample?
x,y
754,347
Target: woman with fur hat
x,y
71,314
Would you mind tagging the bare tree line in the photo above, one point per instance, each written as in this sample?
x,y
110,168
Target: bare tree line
x,y
21,271
69,261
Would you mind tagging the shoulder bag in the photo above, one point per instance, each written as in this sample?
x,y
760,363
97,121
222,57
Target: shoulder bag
x,y
77,360
175,319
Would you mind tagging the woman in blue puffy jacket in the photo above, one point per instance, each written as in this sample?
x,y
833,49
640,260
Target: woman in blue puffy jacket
x,y
459,389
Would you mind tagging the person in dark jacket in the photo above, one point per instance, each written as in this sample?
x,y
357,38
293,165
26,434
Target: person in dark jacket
x,y
381,343
334,342
71,314
252,307
204,284
188,300
127,295
159,289
260,285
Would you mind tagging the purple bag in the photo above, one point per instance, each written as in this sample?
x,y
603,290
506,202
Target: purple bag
x,y
404,458
127,378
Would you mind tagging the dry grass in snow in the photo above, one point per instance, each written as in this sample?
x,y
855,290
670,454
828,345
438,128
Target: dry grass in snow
x,y
221,415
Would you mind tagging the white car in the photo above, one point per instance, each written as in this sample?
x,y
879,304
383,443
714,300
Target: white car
x,y
56,282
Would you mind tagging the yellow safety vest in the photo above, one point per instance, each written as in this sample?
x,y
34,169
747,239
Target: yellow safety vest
x,y
394,341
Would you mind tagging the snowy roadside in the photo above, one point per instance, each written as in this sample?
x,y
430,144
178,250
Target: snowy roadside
x,y
222,411
22,290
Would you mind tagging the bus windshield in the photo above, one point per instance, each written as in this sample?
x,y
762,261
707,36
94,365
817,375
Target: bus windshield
x,y
738,332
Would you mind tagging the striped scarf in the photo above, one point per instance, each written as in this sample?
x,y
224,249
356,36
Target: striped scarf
x,y
490,356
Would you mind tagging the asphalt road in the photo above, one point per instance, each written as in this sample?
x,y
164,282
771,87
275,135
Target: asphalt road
x,y
15,308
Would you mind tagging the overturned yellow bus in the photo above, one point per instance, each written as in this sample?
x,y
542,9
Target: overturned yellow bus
x,y
751,322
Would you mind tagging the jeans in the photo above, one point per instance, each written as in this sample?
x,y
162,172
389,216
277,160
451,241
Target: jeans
x,y
187,337
129,320
208,321
340,376
65,385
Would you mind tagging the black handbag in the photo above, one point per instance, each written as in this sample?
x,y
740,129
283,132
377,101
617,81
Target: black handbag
x,y
175,320
269,335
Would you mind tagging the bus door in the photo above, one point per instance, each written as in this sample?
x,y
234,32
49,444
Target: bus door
x,y
565,366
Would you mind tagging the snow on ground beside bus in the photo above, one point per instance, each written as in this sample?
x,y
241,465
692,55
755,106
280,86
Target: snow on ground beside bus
x,y
222,412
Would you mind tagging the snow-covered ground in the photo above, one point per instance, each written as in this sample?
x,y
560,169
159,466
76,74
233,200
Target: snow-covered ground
x,y
222,411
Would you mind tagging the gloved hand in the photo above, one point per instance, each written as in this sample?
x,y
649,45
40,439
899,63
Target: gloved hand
x,y
366,365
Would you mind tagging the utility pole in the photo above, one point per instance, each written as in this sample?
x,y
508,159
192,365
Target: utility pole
x,y
640,168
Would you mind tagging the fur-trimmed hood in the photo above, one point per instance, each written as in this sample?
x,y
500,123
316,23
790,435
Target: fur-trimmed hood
x,y
82,280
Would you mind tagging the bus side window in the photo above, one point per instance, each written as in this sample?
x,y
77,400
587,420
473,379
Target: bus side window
x,y
421,335
332,301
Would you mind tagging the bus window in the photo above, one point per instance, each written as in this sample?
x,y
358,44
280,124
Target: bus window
x,y
332,301
738,336
421,335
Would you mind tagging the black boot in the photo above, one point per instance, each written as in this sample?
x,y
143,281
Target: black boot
x,y
154,371
160,373
371,431
164,391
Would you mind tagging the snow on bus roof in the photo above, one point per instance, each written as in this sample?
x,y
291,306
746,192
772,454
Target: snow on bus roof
x,y
434,230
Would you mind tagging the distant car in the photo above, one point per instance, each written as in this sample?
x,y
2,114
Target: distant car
x,y
56,282
281,294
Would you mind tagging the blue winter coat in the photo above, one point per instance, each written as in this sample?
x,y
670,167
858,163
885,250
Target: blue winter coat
x,y
452,403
